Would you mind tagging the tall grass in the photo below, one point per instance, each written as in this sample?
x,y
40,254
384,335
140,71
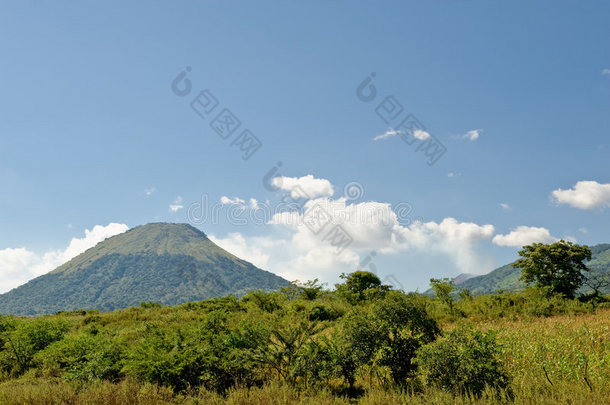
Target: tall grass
x,y
552,360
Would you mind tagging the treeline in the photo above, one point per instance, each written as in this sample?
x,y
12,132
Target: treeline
x,y
359,334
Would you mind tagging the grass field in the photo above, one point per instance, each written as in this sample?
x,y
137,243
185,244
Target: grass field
x,y
551,360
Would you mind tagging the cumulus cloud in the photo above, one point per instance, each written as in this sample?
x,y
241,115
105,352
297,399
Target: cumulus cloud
x,y
19,265
585,195
251,250
177,205
14,265
375,226
524,235
306,186
606,72
149,191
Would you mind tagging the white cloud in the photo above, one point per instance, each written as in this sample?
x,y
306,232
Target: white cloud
x,y
390,133
506,207
224,200
606,72
524,235
471,135
421,134
17,266
584,195
456,239
309,185
149,191
236,244
375,226
177,205
453,175
583,230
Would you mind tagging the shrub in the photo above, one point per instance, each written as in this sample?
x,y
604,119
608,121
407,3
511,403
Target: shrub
x,y
23,340
466,361
391,333
83,357
321,312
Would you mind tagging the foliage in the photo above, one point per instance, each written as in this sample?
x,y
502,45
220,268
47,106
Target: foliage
x,y
24,339
391,333
442,289
83,357
559,266
359,286
507,277
466,361
321,346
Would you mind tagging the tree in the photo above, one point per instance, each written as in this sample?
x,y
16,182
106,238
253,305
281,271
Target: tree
x,y
310,290
360,285
559,266
465,294
597,282
443,287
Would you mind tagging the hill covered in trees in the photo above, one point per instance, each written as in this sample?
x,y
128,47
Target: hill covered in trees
x,y
161,262
506,278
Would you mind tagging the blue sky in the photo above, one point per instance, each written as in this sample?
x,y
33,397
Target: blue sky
x,y
89,124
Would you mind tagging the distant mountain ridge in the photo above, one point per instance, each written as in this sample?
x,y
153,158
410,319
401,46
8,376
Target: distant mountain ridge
x,y
160,262
463,277
506,278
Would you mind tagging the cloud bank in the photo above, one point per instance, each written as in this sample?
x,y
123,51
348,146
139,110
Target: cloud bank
x,y
18,265
524,235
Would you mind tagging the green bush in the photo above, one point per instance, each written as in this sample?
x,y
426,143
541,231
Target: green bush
x,y
321,312
24,339
83,358
390,333
466,361
165,357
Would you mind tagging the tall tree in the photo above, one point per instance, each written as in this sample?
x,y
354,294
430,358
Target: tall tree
x,y
559,266
443,287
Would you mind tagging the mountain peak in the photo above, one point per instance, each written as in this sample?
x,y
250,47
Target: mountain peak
x,y
169,263
463,277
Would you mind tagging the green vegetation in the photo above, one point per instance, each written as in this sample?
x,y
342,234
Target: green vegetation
x,y
442,290
361,341
560,266
506,278
165,263
465,361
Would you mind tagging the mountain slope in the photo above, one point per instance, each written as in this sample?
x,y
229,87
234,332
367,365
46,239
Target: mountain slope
x,y
507,277
165,263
